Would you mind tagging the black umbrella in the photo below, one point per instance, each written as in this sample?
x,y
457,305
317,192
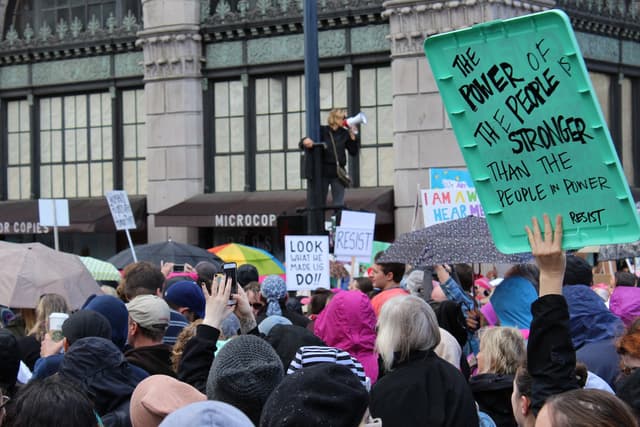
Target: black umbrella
x,y
169,251
465,240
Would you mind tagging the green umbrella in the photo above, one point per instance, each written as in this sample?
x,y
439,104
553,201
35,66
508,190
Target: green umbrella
x,y
101,270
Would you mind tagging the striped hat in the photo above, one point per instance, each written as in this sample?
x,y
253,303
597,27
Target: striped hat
x,y
312,355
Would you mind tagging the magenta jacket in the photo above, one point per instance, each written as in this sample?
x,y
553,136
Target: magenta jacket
x,y
349,323
625,303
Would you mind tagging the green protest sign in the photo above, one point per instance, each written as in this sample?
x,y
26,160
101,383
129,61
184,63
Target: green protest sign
x,y
531,131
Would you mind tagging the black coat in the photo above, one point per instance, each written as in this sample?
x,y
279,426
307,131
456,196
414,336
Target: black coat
x,y
197,357
551,359
295,318
155,359
423,391
493,395
102,372
343,142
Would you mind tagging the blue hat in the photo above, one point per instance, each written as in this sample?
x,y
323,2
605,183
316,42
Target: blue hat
x,y
512,299
269,322
116,313
207,413
186,294
273,289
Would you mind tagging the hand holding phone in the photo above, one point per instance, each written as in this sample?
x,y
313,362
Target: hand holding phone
x,y
230,270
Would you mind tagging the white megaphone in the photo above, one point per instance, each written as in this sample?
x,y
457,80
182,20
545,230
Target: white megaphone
x,y
352,122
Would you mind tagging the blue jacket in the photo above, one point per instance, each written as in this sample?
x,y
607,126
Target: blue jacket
x,y
46,366
593,329
454,292
589,319
100,368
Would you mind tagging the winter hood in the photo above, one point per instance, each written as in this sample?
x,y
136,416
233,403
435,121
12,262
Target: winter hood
x,y
589,319
348,322
100,367
625,303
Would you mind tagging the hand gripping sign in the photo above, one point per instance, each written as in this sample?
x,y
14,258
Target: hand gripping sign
x,y
531,131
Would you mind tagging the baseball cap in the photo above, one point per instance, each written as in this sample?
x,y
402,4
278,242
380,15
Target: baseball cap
x,y
149,311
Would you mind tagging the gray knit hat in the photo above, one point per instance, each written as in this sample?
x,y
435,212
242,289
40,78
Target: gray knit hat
x,y
244,373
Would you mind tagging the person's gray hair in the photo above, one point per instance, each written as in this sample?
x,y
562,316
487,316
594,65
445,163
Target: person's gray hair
x,y
406,323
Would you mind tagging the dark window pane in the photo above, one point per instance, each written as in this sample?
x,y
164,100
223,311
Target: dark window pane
x,y
96,10
79,13
108,8
50,18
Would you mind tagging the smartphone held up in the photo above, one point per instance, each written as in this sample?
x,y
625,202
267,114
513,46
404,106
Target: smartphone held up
x,y
229,269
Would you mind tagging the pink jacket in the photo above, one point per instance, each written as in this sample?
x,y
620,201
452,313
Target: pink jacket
x,y
625,303
349,323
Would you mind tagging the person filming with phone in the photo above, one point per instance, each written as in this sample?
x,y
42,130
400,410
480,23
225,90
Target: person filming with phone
x,y
337,136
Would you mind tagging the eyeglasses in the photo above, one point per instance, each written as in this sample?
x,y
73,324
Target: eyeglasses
x,y
257,305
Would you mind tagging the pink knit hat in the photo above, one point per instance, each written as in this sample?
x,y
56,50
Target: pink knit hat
x,y
157,396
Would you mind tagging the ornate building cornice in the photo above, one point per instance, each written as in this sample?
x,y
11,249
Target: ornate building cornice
x,y
237,19
69,40
411,22
611,18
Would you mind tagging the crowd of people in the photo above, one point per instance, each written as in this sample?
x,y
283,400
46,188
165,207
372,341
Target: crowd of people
x,y
541,346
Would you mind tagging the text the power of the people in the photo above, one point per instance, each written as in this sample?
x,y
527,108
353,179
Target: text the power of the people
x,y
531,130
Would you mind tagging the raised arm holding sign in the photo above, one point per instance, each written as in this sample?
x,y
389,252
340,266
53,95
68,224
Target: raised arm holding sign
x,y
531,131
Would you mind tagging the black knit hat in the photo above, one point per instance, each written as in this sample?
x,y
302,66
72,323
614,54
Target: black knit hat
x,y
10,357
577,271
287,339
317,396
247,273
244,373
86,323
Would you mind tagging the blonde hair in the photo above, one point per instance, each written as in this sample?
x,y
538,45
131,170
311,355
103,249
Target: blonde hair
x,y
503,349
406,323
336,117
48,303
185,335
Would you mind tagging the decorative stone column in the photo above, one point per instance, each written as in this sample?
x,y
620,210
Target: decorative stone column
x,y
173,92
423,137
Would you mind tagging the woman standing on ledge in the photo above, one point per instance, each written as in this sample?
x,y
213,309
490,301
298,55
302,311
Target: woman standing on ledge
x,y
336,139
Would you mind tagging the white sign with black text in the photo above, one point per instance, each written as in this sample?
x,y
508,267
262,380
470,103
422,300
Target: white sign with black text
x,y
121,210
353,242
364,221
307,262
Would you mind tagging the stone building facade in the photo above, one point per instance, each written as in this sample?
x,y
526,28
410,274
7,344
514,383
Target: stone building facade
x,y
195,108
